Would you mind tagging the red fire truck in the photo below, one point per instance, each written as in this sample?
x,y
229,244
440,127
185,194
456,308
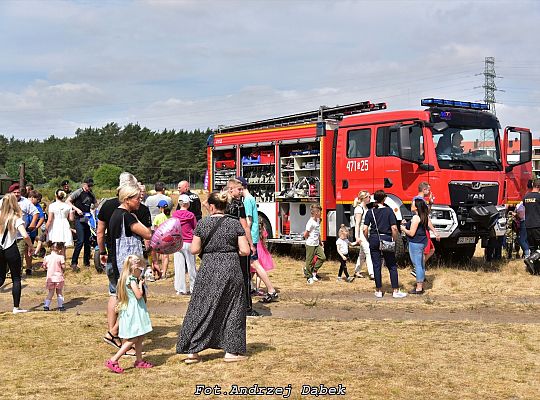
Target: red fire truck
x,y
328,155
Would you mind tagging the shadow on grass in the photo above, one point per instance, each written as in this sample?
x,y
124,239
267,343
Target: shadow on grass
x,y
161,338
7,286
476,264
72,303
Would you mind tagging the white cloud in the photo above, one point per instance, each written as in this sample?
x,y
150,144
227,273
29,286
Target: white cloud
x,y
188,64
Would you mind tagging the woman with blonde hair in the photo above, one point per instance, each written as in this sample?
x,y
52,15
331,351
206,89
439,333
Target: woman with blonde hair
x,y
11,222
125,230
360,210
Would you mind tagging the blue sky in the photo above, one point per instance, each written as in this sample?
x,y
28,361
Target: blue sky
x,y
198,64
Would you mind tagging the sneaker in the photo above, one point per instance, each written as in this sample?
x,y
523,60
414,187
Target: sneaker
x,y
270,297
372,277
75,268
350,279
399,295
413,273
310,281
315,278
62,308
378,294
17,310
339,279
414,291
45,308
253,313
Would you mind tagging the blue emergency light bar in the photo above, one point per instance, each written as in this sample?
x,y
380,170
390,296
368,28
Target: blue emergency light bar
x,y
431,102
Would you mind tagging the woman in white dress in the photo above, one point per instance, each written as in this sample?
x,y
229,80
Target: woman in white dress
x,y
59,216
360,209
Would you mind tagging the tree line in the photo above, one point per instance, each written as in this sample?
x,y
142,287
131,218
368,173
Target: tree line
x,y
167,156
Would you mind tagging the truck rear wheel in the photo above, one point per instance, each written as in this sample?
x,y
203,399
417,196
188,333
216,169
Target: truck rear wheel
x,y
266,223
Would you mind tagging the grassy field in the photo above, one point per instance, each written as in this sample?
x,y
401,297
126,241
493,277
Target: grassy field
x,y
473,335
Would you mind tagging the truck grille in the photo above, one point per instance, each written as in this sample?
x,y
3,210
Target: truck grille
x,y
473,193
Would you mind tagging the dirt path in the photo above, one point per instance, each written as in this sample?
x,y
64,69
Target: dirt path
x,y
302,305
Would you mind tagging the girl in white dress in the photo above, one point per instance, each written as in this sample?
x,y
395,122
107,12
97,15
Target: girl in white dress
x,y
59,216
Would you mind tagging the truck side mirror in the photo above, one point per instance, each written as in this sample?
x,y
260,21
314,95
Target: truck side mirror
x,y
404,143
525,149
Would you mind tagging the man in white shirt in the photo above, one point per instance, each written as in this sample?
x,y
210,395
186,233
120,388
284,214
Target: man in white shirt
x,y
153,201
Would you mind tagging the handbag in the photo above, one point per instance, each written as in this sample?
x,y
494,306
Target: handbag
x,y
385,246
126,246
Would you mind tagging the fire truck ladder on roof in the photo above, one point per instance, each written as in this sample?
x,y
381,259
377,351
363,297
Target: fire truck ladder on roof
x,y
321,114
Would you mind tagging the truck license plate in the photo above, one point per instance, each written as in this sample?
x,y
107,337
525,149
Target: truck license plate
x,y
466,240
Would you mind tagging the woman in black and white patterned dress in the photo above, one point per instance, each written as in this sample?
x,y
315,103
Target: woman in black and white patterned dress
x,y
216,315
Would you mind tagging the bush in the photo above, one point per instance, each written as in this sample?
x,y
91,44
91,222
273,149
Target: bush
x,y
106,176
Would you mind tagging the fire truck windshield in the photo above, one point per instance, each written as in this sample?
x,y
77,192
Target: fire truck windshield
x,y
468,148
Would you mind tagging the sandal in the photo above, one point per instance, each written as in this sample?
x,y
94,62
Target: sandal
x,y
270,297
114,367
142,364
113,340
234,357
193,359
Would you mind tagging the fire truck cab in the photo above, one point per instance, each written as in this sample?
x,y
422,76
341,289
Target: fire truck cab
x,y
328,155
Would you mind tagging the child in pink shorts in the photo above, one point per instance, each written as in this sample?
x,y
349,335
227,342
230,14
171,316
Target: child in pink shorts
x,y
55,264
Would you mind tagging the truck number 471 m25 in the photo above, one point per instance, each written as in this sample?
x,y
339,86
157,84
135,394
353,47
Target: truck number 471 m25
x,y
353,166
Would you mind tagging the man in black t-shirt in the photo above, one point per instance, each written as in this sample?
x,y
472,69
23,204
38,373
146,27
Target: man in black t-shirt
x,y
195,205
531,201
236,209
81,201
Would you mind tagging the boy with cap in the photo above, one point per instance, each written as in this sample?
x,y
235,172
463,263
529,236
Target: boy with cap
x,y
164,215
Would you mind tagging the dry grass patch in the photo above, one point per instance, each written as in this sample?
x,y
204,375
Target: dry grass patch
x,y
61,356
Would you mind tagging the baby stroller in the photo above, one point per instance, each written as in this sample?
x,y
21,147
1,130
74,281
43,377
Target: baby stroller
x,y
91,220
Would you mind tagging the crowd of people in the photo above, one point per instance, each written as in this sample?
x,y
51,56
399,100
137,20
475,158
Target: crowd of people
x,y
230,242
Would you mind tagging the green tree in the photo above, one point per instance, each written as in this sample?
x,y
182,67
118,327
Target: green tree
x,y
106,176
34,168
